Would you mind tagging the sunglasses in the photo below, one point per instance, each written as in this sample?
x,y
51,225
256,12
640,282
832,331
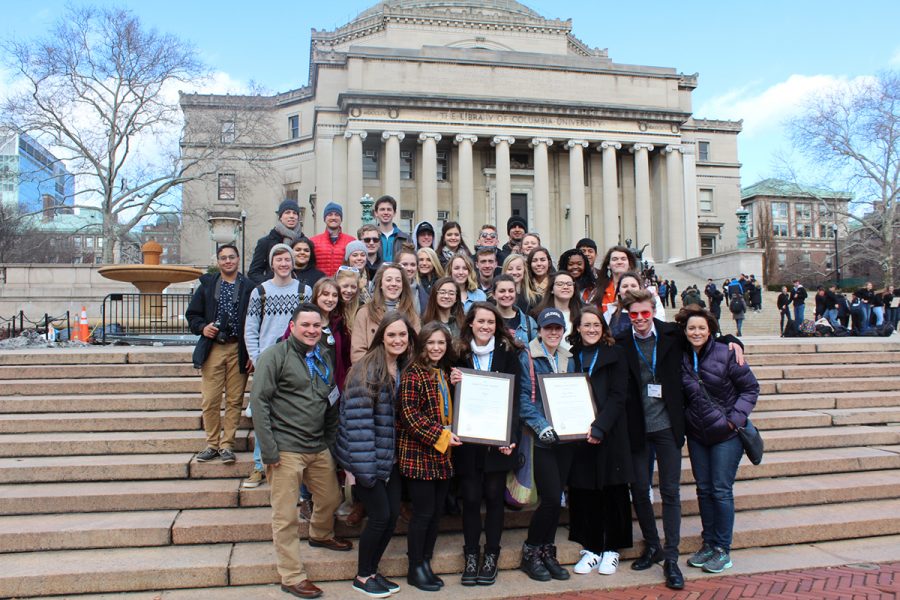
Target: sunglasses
x,y
370,240
489,236
346,268
644,314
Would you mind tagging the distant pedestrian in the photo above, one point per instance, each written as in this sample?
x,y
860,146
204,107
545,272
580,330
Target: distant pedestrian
x,y
673,292
738,310
798,300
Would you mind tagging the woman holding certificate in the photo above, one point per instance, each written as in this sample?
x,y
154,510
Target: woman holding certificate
x,y
486,345
552,460
424,441
365,444
599,506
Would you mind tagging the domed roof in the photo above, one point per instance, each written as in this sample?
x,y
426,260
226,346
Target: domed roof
x,y
507,7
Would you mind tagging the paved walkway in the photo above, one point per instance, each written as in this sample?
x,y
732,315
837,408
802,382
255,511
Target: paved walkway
x,y
849,582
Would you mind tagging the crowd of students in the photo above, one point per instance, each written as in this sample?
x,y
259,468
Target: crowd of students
x,y
355,346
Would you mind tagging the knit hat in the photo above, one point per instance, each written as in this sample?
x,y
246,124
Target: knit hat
x,y
516,220
333,207
587,242
354,246
288,204
282,247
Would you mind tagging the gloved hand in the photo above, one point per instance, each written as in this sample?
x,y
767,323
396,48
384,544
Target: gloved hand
x,y
548,436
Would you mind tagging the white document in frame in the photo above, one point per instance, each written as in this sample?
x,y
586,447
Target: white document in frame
x,y
483,407
571,407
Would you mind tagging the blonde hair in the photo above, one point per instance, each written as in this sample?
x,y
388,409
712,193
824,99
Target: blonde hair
x,y
352,307
471,282
435,263
531,296
405,305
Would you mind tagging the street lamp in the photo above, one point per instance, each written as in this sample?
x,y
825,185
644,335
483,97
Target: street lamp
x,y
837,260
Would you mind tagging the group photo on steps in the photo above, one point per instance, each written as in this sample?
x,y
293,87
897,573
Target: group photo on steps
x,y
357,346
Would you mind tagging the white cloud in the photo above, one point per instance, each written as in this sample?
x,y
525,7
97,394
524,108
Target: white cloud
x,y
895,59
764,111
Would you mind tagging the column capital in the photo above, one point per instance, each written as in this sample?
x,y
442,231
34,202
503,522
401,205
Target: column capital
x,y
672,148
430,136
465,137
499,139
572,143
388,134
606,145
640,146
538,141
362,134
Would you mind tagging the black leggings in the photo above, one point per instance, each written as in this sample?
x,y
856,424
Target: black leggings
x,y
551,471
382,502
427,502
490,487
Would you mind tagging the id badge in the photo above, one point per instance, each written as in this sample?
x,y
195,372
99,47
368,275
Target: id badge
x,y
334,395
654,390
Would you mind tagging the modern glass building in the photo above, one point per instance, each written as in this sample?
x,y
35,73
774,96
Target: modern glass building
x,y
32,177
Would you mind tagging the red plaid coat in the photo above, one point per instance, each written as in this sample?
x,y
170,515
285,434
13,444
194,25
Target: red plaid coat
x,y
419,427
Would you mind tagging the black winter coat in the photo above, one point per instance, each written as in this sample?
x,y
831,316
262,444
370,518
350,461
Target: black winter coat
x,y
470,458
260,270
669,351
366,432
202,311
596,466
720,392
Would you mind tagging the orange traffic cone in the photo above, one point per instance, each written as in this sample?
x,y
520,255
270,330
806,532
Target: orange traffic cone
x,y
83,328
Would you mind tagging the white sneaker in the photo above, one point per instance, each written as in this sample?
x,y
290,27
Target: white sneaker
x,y
651,495
609,563
588,562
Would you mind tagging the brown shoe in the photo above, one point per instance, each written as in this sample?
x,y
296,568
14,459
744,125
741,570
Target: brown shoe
x,y
356,515
306,510
337,544
304,589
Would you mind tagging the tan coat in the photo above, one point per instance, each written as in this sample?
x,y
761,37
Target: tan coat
x,y
364,328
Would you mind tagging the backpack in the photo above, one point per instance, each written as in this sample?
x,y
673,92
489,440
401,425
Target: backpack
x,y
807,328
790,329
737,305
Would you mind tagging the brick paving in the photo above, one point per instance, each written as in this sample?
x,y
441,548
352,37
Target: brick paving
x,y
849,582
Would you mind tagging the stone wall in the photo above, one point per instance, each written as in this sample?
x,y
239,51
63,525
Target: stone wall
x,y
726,264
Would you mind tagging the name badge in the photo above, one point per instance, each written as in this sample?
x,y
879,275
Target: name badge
x,y
334,395
654,390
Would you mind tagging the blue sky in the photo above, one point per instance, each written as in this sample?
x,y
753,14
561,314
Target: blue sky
x,y
756,60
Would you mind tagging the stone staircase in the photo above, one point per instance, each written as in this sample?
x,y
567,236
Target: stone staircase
x,y
100,492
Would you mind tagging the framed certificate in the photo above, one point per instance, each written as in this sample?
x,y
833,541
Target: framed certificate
x,y
568,404
483,410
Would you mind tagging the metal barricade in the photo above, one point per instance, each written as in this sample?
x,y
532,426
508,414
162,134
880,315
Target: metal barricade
x,y
146,318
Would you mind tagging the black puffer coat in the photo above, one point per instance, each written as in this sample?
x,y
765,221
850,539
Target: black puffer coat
x,y
719,392
365,439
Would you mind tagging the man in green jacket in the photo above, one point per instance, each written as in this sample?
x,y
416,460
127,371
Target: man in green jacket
x,y
295,418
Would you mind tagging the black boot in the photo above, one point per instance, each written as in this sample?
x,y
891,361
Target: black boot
x,y
418,577
487,574
674,578
548,554
470,570
434,578
532,563
650,556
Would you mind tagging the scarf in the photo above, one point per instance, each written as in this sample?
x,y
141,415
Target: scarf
x,y
483,352
289,235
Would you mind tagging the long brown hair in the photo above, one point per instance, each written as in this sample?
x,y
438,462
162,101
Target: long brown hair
x,y
606,337
432,310
372,369
421,357
405,304
501,333
317,291
549,300
605,275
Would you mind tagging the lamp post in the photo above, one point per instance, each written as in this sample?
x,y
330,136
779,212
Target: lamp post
x,y
837,260
742,214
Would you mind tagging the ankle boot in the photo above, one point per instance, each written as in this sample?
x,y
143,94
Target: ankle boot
x,y
548,554
470,570
418,578
533,564
487,574
434,578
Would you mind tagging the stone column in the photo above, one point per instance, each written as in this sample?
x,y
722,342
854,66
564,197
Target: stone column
x,y
339,170
541,216
643,212
502,198
610,196
674,203
576,191
691,203
324,193
428,194
391,175
353,211
465,185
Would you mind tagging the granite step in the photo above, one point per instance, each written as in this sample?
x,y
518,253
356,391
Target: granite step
x,y
832,384
100,421
825,358
96,355
824,400
827,437
865,415
790,419
89,371
113,442
133,385
108,496
97,403
788,346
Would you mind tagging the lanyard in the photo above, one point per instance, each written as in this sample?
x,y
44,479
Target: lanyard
x,y
477,363
696,365
445,394
555,364
590,369
314,368
653,364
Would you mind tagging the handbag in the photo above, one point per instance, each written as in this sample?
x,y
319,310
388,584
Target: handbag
x,y
752,442
521,490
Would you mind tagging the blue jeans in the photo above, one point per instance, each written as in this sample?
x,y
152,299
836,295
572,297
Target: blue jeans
x,y
879,315
798,314
831,316
257,457
714,468
866,315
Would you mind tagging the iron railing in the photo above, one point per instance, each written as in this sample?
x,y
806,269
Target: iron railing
x,y
9,328
146,317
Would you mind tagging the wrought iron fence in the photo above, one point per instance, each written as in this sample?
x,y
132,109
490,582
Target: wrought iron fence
x,y
146,317
16,324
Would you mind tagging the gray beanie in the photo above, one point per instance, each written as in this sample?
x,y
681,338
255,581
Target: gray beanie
x,y
282,247
354,246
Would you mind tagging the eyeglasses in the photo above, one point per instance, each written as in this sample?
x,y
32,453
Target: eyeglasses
x,y
370,240
564,284
346,268
644,314
446,293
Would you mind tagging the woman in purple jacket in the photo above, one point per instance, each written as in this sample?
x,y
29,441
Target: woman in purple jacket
x,y
719,396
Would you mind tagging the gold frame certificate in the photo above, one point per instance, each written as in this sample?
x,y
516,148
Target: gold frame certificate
x,y
483,408
568,404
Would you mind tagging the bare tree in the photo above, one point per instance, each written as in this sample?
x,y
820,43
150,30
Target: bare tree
x,y
854,133
100,90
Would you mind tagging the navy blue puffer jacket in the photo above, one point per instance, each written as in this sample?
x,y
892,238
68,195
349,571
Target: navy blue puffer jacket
x,y
365,439
718,393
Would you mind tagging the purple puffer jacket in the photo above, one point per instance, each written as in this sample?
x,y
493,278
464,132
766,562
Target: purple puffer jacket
x,y
730,393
